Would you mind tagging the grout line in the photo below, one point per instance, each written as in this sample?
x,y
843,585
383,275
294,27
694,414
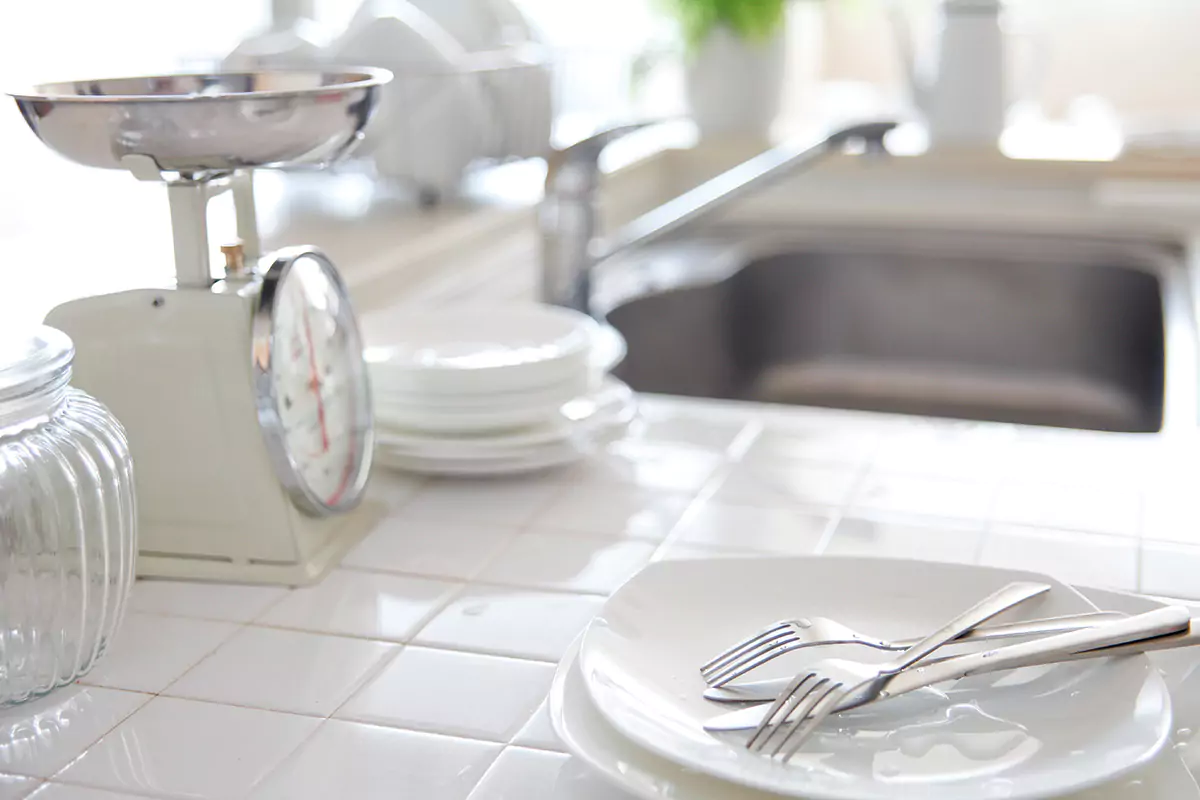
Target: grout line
x,y
369,677
835,520
507,747
417,727
698,501
37,784
431,576
492,766
745,439
483,651
288,592
513,745
148,695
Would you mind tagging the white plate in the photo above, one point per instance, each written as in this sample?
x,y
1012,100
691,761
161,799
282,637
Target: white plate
x,y
465,422
1180,669
614,404
386,393
520,452
534,460
478,350
609,348
481,467
588,736
1026,734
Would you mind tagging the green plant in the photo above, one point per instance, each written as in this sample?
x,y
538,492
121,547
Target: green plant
x,y
753,20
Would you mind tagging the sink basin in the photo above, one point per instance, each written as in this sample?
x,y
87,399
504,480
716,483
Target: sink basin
x,y
1007,326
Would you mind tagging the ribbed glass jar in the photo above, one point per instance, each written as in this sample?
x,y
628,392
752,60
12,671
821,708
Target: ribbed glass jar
x,y
67,520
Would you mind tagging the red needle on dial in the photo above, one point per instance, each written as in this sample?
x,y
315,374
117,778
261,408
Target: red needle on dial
x,y
314,383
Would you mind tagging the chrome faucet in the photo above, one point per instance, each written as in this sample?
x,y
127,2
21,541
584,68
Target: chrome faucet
x,y
571,247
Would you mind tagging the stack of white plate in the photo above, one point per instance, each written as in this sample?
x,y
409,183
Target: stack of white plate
x,y
489,391
627,698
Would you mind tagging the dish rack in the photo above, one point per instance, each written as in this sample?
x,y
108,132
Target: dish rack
x,y
434,123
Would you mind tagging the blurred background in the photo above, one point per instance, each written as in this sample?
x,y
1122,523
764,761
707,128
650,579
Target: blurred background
x,y
1081,76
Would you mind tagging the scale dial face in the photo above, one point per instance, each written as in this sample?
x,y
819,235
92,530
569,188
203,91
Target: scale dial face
x,y
313,392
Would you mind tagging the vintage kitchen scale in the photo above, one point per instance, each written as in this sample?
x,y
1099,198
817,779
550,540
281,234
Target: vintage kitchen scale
x,y
246,397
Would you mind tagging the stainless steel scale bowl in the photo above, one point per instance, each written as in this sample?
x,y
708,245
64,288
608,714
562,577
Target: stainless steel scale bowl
x,y
192,124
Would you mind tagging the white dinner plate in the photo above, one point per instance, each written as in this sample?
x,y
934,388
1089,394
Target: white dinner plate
x,y
1030,733
388,395
473,350
639,772
1180,669
613,404
542,459
466,422
596,421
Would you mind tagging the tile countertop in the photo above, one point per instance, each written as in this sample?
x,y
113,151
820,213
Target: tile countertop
x,y
419,668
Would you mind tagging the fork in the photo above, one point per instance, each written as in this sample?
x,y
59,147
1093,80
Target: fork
x,y
841,685
788,636
1000,600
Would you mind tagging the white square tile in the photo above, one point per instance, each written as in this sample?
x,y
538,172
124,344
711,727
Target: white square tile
x,y
539,731
615,511
1098,509
15,787
368,762
367,604
769,529
1170,570
44,736
894,538
305,673
785,482
465,694
578,781
919,494
151,650
657,423
393,489
188,749
1073,557
1083,458
503,502
423,545
1171,514
64,791
511,622
651,465
815,441
520,773
553,560
221,601
946,449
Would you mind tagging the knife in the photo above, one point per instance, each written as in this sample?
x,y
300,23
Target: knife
x,y
1161,629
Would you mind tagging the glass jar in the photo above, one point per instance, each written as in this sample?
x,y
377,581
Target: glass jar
x,y
67,520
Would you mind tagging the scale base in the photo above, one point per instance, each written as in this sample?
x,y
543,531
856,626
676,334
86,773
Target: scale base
x,y
350,530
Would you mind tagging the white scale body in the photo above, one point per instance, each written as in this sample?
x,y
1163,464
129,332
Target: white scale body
x,y
175,366
251,444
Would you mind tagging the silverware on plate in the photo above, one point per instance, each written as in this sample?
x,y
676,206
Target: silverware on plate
x,y
839,685
790,635
824,682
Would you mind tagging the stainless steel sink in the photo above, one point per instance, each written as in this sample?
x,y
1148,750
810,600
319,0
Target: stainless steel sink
x,y
1007,326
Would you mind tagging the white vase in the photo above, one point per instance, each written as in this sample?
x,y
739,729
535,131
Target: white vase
x,y
735,86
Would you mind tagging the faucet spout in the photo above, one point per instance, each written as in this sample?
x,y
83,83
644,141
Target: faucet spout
x,y
571,247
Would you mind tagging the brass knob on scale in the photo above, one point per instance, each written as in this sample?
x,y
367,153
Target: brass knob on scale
x,y
235,260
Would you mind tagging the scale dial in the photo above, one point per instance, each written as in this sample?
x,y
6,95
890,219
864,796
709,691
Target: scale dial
x,y
312,387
